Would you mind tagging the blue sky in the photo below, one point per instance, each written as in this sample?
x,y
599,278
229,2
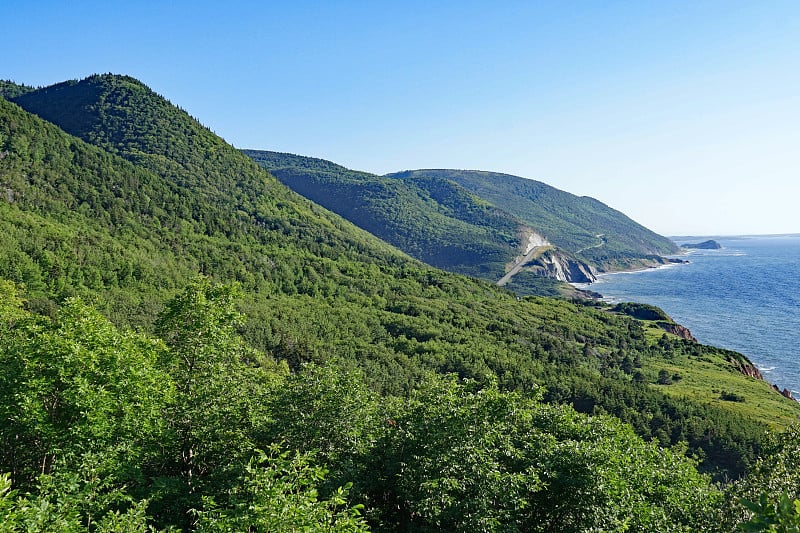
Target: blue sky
x,y
683,115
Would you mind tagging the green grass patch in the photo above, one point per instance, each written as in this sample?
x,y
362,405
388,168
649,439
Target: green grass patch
x,y
712,379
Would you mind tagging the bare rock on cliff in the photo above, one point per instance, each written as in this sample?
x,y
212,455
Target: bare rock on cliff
x,y
678,330
750,370
558,265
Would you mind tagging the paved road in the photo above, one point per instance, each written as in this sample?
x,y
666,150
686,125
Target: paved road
x,y
603,241
536,245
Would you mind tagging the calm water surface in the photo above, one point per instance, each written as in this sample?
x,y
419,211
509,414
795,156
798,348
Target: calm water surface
x,y
744,297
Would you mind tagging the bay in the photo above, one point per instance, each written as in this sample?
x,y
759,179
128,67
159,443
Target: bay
x,y
744,297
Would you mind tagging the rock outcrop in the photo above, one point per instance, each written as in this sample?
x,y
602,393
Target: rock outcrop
x,y
785,392
751,371
558,265
678,330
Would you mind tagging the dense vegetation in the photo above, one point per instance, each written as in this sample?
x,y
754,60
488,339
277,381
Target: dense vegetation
x,y
578,224
437,222
9,89
445,401
471,222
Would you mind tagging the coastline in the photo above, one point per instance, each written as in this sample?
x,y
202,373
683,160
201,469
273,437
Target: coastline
x,y
670,263
734,298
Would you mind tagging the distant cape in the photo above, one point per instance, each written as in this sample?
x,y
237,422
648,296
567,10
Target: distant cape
x,y
705,245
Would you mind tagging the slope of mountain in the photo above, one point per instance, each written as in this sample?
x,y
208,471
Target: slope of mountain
x,y
478,223
9,89
155,198
579,225
441,224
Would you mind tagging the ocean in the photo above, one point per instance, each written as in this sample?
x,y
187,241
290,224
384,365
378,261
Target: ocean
x,y
744,297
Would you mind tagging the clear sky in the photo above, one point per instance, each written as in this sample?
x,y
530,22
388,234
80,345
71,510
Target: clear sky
x,y
685,115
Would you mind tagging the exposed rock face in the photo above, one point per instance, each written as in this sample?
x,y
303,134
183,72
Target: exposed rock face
x,y
746,367
555,264
751,370
785,392
681,331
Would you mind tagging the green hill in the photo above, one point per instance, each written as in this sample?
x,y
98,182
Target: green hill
x,y
112,194
9,89
158,197
441,224
579,225
478,223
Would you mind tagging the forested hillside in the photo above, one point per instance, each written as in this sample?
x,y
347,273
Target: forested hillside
x,y
478,223
136,393
442,224
578,224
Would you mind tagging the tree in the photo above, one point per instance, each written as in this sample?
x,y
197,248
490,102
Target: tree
x,y
471,458
328,411
219,394
278,493
81,404
76,387
781,516
767,497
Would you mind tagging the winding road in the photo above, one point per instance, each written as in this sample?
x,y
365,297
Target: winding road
x,y
536,245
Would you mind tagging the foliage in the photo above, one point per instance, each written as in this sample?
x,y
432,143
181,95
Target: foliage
x,y
466,221
170,411
74,388
278,494
219,389
641,311
83,221
782,516
436,221
765,498
9,89
70,503
580,225
452,455
731,397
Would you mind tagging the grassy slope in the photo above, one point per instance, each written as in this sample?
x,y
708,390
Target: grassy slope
x,y
130,228
705,377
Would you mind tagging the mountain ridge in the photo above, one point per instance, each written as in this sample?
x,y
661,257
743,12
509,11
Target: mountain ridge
x,y
519,196
130,218
445,233
587,236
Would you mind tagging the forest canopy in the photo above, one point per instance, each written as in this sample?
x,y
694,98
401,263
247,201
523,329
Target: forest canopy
x,y
188,344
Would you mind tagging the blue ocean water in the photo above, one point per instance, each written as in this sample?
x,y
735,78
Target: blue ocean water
x,y
744,297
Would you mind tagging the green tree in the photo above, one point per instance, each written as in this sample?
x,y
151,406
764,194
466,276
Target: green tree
x,y
473,458
60,506
75,387
330,412
219,394
81,404
278,493
766,497
781,516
